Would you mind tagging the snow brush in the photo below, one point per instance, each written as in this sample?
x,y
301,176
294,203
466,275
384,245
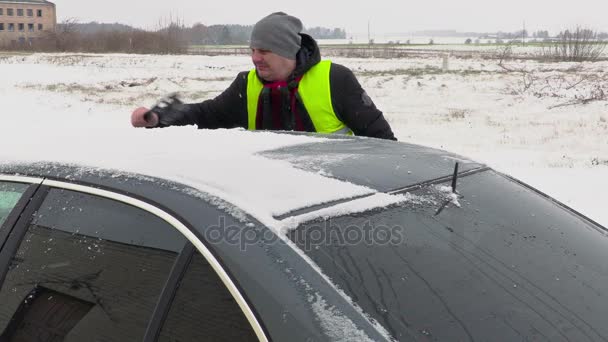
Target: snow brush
x,y
168,110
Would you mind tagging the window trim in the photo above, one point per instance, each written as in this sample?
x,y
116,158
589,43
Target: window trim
x,y
20,179
47,184
161,311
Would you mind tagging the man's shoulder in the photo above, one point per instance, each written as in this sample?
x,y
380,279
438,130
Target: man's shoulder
x,y
243,74
340,72
241,78
340,69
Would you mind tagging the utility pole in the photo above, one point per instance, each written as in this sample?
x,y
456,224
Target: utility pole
x,y
369,39
523,35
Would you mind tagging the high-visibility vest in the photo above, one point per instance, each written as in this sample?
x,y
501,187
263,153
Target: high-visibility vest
x,y
315,92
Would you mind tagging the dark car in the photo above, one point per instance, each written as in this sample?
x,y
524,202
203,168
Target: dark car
x,y
429,252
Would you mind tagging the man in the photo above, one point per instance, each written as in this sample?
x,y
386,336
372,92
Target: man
x,y
289,89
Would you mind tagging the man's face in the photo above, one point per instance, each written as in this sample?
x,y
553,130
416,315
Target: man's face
x,y
270,66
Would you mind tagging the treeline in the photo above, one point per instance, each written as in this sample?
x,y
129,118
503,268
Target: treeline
x,y
171,38
326,33
539,34
199,34
70,36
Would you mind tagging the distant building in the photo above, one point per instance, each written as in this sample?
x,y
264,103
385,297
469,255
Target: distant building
x,y
22,21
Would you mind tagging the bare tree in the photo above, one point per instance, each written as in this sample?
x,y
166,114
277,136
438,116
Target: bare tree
x,y
580,44
62,38
504,53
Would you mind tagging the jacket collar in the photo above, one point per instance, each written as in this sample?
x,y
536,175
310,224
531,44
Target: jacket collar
x,y
308,56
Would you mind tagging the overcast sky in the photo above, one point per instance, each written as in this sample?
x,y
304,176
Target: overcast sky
x,y
385,16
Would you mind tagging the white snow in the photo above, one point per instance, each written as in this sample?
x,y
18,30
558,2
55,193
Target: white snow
x,y
378,200
63,102
337,326
223,163
449,195
325,312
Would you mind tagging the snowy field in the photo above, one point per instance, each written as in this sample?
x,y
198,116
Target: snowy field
x,y
544,123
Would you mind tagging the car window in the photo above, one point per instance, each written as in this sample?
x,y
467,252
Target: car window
x,y
503,263
204,310
9,195
87,269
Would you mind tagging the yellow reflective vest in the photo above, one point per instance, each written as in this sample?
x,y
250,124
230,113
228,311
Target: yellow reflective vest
x,y
315,92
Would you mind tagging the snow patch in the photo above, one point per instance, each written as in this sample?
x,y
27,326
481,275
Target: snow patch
x,y
449,195
337,326
377,326
379,200
418,199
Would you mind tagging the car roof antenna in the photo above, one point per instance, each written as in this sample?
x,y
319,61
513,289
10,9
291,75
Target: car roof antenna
x,y
455,178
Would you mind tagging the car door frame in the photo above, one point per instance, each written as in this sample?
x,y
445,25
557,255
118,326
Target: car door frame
x,y
35,194
18,210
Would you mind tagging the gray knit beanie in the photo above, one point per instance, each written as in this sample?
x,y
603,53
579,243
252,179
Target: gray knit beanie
x,y
278,33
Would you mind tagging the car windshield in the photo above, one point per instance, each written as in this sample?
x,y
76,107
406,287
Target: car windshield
x,y
500,262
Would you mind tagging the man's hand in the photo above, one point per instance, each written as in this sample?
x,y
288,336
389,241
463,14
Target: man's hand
x,y
169,111
143,117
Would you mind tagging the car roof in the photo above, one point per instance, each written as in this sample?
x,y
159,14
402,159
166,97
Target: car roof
x,y
266,174
236,165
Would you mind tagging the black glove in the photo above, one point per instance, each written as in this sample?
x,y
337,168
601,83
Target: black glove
x,y
171,111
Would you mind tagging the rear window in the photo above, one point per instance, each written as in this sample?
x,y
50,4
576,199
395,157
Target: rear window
x,y
508,264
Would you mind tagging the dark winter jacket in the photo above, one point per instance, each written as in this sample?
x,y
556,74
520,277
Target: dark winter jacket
x,y
229,109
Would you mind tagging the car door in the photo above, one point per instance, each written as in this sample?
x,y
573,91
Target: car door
x,y
81,265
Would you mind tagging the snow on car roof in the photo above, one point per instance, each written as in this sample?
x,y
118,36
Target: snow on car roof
x,y
224,163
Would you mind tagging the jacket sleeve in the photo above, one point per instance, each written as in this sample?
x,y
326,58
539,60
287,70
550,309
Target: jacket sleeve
x,y
354,107
227,110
